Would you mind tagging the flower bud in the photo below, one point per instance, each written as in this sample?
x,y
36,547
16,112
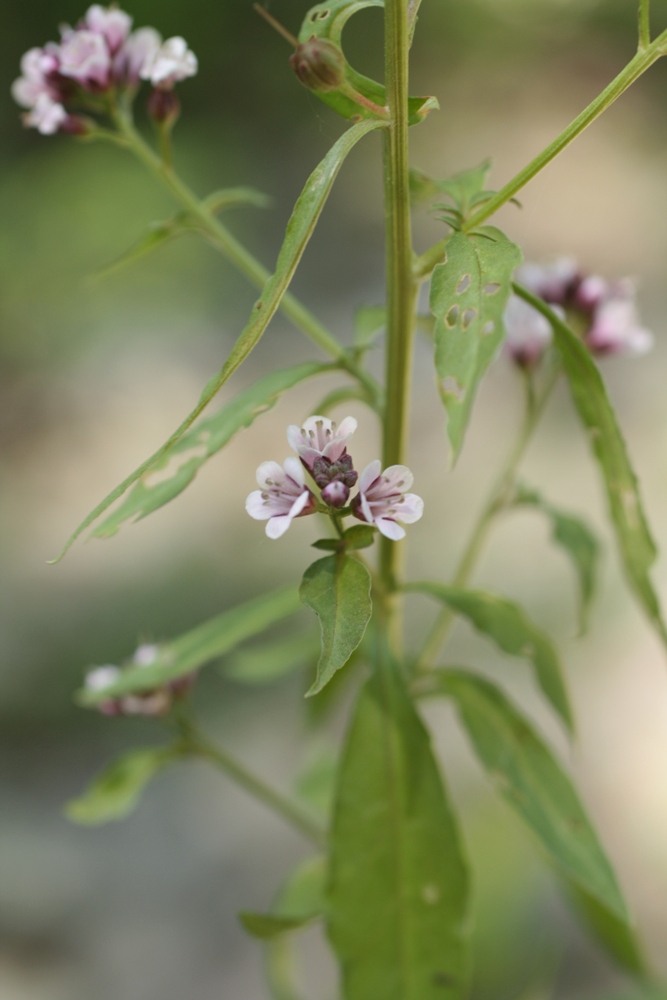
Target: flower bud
x,y
163,106
336,494
319,64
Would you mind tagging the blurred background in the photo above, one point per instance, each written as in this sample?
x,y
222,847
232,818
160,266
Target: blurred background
x,y
95,375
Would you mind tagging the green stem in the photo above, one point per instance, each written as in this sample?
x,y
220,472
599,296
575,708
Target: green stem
x,y
401,285
498,500
236,253
644,24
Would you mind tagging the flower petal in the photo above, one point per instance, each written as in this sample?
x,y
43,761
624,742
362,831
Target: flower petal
x,y
294,470
397,479
299,503
410,509
369,475
277,526
390,529
269,474
257,506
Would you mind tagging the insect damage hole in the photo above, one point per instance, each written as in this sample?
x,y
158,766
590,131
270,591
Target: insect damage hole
x,y
451,319
468,316
463,285
320,15
450,387
491,288
488,327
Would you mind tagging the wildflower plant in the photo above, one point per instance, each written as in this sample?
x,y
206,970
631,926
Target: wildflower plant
x,y
389,879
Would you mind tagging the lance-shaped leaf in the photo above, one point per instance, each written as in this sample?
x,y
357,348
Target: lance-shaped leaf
x,y
299,902
231,197
469,292
327,21
156,236
533,783
201,645
272,660
398,888
117,790
617,936
577,541
176,469
637,548
338,589
506,623
299,230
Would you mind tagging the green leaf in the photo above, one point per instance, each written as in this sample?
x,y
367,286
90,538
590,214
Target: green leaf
x,y
117,790
201,645
299,902
534,784
466,187
576,539
230,197
300,228
327,21
338,589
469,292
170,475
316,781
266,926
359,536
398,887
272,660
637,548
505,623
369,321
617,936
156,236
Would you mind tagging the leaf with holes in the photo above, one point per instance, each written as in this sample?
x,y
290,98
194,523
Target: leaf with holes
x,y
637,548
300,228
200,645
506,623
533,783
469,292
327,21
116,791
398,885
338,589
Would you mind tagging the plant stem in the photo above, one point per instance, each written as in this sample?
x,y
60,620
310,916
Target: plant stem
x,y
401,286
644,24
498,500
237,254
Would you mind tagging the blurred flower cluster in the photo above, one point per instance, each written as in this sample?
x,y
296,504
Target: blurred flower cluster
x,y
94,63
321,445
603,312
156,702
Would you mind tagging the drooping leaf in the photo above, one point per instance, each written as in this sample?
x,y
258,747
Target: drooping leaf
x,y
369,321
469,292
300,228
617,936
230,197
327,21
398,888
156,236
534,784
506,623
338,589
299,902
117,790
636,545
271,660
576,539
201,645
170,475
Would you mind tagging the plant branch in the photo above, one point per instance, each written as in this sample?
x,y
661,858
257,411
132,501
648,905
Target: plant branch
x,y
644,24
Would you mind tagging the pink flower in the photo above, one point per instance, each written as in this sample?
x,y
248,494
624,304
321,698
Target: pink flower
x,y
156,702
113,24
36,67
47,116
282,497
552,282
172,62
528,333
382,499
616,328
84,57
138,51
320,437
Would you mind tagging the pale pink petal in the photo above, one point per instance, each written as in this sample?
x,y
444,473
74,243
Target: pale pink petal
x,y
257,506
390,529
295,437
269,473
366,508
294,470
277,526
369,475
299,504
410,509
346,427
396,478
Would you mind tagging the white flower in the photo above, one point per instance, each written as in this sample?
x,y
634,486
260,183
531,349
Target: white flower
x,y
382,499
84,57
101,678
138,51
36,64
616,329
46,116
528,333
172,62
282,497
320,438
146,654
110,22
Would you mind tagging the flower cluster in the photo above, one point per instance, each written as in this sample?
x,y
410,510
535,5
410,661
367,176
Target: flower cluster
x,y
604,311
321,445
156,702
91,63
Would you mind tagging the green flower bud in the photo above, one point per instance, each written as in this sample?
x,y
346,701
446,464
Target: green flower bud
x,y
318,64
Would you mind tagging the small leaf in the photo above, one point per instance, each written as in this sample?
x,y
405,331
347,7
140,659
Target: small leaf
x,y
576,539
316,782
157,235
359,536
230,197
299,902
505,623
338,589
273,660
116,792
465,188
530,779
617,936
300,228
201,645
266,926
369,321
328,544
398,886
637,548
469,292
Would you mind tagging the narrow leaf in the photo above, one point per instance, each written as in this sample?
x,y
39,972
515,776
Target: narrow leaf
x,y
272,660
201,645
578,542
156,236
528,776
617,936
398,889
469,292
266,926
176,469
230,197
505,623
637,548
117,790
338,589
299,230
299,902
